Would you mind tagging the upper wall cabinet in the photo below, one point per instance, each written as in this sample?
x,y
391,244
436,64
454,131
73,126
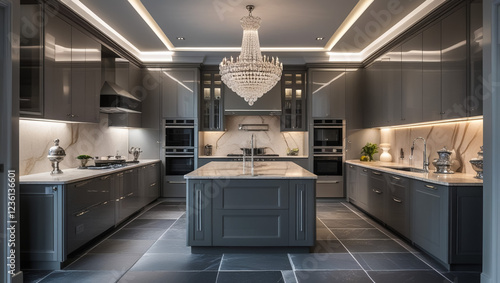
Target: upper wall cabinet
x,y
211,100
327,89
431,76
71,73
179,91
411,75
475,97
293,100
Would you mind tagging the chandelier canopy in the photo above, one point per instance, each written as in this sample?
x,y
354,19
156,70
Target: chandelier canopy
x,y
250,75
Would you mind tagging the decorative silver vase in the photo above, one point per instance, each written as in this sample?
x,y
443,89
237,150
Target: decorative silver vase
x,y
56,155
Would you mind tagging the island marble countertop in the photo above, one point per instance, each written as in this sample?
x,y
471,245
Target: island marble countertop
x,y
262,170
456,179
75,175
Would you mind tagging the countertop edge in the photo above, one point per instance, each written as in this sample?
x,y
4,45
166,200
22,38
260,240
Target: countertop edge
x,y
31,179
379,166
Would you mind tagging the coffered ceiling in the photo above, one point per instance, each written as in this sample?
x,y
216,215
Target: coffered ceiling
x,y
298,31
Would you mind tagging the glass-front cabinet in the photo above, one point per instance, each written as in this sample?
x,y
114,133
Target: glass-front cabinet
x,y
293,101
212,116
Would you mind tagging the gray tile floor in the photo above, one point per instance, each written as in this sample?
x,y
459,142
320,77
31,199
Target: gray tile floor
x,y
350,247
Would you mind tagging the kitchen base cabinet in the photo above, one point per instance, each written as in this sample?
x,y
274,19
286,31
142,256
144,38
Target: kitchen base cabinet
x,y
398,204
58,219
376,195
232,213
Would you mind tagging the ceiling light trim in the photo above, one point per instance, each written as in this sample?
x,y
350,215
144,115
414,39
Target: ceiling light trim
x,y
353,16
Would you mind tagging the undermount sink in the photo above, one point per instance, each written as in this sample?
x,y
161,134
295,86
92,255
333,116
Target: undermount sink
x,y
407,169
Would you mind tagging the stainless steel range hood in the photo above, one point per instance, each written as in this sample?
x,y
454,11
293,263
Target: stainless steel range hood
x,y
115,98
268,105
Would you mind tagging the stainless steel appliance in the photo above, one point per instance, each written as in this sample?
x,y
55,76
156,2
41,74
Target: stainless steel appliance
x,y
180,138
328,157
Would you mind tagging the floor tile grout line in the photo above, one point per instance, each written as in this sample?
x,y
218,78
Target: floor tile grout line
x,y
293,268
349,252
412,252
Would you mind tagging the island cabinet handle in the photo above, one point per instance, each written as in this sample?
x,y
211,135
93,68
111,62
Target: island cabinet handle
x,y
377,191
376,173
430,187
327,182
395,178
397,200
198,209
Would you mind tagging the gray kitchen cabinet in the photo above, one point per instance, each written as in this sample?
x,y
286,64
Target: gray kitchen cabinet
x,y
361,191
179,92
199,200
376,195
390,108
71,73
397,207
373,96
301,213
431,45
211,101
429,218
454,64
475,95
90,210
127,194
293,99
149,180
351,182
327,89
411,75
46,249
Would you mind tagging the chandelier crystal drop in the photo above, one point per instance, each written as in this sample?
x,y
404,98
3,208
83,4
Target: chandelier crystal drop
x,y
250,75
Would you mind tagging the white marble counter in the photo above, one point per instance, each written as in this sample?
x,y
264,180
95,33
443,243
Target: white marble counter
x,y
457,179
74,175
262,170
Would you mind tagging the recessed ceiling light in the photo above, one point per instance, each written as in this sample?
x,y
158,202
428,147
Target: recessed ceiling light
x,y
181,38
319,38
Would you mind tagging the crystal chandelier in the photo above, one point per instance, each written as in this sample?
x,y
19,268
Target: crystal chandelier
x,y
251,74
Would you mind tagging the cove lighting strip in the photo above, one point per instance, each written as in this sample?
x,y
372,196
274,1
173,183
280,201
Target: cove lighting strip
x,y
434,123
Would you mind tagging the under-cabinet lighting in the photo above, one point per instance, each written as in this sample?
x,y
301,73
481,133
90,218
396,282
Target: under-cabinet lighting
x,y
434,123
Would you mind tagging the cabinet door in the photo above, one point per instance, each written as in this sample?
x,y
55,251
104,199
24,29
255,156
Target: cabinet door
x,y
92,80
179,92
454,64
293,101
301,215
412,80
475,97
431,42
391,87
328,94
212,118
376,195
397,213
352,192
78,91
57,70
199,201
429,218
362,188
372,95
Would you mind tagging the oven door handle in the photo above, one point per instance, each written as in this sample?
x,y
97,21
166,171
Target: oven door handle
x,y
327,127
328,155
179,127
183,156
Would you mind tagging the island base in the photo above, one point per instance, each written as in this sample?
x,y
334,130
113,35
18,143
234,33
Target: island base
x,y
249,250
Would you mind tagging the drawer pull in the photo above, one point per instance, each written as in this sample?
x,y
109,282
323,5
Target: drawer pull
x,y
131,194
129,171
152,185
82,213
105,178
327,182
397,200
177,182
376,173
430,187
350,166
377,191
364,170
395,178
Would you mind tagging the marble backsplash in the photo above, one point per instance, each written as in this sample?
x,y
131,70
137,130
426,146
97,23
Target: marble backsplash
x,y
232,139
36,137
464,139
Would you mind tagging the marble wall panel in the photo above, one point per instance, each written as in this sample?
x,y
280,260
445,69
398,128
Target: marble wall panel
x,y
232,140
36,137
464,139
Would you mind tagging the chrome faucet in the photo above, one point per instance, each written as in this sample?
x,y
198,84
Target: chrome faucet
x,y
425,165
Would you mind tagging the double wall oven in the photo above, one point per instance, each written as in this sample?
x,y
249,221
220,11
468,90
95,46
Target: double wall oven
x,y
328,156
180,140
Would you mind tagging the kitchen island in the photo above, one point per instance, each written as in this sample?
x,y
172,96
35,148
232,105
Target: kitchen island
x,y
228,206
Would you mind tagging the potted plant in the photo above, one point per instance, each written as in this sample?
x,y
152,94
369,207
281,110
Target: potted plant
x,y
83,159
368,151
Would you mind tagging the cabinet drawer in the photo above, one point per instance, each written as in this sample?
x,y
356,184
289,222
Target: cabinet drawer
x,y
333,188
258,194
88,193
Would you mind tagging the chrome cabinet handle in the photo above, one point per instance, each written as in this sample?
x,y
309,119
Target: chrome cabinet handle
x,y
395,178
327,182
377,191
177,182
430,187
350,166
376,173
152,185
105,177
364,170
397,200
82,213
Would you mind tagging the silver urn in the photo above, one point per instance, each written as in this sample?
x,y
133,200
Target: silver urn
x,y
135,151
444,162
477,164
56,155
